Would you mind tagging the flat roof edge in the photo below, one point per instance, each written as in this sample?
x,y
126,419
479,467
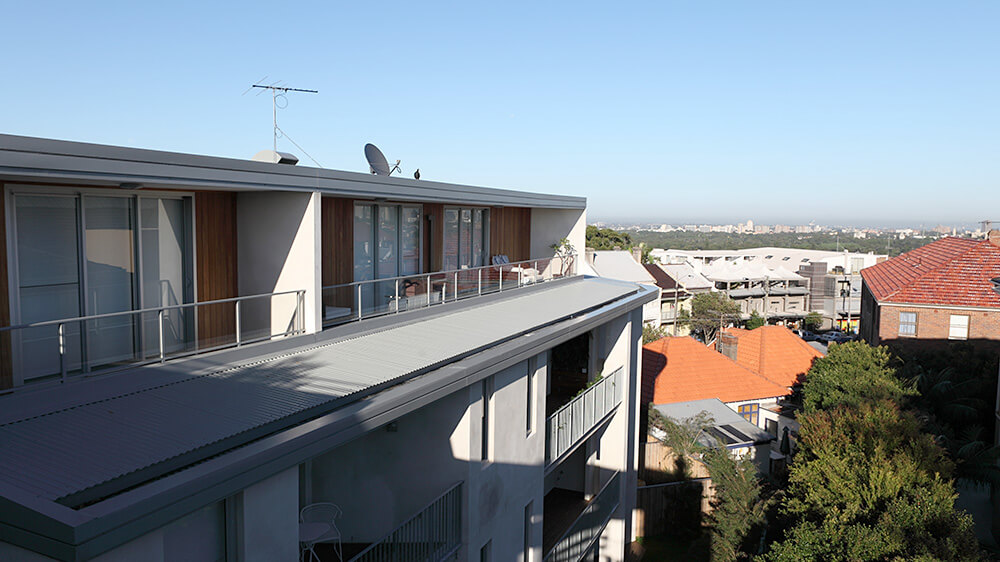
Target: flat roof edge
x,y
34,159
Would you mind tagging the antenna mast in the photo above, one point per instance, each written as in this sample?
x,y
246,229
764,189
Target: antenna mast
x,y
275,89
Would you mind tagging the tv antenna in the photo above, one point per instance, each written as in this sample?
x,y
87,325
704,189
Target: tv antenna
x,y
277,90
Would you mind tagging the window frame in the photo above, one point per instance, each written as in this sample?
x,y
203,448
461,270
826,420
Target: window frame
x,y
486,218
913,323
952,325
78,194
752,410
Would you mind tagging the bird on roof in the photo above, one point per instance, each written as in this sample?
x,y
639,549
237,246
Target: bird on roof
x,y
416,175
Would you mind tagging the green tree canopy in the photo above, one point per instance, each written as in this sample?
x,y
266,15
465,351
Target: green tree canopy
x,y
708,311
755,321
813,321
851,374
607,239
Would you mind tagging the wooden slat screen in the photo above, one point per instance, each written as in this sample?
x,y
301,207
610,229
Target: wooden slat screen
x,y
215,238
510,232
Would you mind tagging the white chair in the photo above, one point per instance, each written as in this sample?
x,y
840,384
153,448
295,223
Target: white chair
x,y
317,524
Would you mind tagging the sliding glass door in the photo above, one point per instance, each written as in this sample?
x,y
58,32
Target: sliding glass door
x,y
387,242
465,237
86,254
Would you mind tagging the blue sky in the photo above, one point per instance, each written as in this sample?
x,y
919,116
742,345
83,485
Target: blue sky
x,y
843,113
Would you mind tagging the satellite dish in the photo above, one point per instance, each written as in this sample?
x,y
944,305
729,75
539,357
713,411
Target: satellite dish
x,y
376,160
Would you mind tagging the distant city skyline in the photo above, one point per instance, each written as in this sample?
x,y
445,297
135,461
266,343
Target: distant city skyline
x,y
847,113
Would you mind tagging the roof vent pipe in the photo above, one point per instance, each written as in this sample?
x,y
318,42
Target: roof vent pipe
x,y
275,157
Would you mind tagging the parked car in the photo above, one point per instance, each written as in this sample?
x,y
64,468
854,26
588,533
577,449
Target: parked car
x,y
806,335
835,337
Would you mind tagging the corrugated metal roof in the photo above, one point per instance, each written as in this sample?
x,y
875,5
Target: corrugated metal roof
x,y
95,449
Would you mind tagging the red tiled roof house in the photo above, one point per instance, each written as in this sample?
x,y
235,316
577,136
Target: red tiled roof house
x,y
946,290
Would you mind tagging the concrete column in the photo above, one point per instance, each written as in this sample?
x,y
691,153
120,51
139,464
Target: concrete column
x,y
279,250
270,519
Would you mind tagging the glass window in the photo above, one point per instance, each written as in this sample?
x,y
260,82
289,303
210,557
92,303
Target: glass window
x,y
409,241
450,239
82,254
958,328
465,235
750,412
48,285
477,237
908,323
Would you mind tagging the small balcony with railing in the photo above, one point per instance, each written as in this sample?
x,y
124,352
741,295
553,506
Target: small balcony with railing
x,y
572,526
371,298
65,348
433,533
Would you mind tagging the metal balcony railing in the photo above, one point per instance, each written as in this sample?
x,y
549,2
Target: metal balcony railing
x,y
584,532
433,534
57,349
572,422
350,302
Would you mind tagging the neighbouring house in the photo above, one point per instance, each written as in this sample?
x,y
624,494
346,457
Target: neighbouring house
x,y
833,278
729,430
773,352
194,349
674,298
948,290
682,369
624,266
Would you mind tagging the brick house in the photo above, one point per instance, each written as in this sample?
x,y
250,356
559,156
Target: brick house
x,y
946,290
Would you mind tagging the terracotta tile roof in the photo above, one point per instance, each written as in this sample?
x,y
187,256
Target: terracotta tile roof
x,y
775,353
682,369
950,271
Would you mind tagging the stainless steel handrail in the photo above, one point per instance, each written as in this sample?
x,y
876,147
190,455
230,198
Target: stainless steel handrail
x,y
297,327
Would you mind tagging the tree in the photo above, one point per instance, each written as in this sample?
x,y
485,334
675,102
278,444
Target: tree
x,y
708,312
868,484
851,374
755,321
812,321
651,333
682,437
739,507
607,239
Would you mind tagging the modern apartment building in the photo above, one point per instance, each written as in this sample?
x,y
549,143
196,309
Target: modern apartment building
x,y
194,349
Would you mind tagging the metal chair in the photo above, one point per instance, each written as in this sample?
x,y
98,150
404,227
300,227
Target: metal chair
x,y
317,525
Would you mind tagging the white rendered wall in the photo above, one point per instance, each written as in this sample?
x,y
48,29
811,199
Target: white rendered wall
x,y
385,477
501,488
279,249
548,226
271,519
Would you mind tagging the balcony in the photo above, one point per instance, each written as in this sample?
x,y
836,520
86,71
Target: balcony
x,y
434,533
586,529
55,350
575,421
360,300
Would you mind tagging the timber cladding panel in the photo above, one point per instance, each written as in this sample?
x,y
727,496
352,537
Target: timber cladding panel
x,y
6,368
215,239
510,232
337,224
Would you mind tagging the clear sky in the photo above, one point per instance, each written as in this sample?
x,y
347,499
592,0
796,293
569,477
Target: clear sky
x,y
839,112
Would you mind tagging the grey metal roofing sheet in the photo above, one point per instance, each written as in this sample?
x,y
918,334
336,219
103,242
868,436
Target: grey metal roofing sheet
x,y
88,451
38,159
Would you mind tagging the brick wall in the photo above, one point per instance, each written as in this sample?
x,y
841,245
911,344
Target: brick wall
x,y
933,323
